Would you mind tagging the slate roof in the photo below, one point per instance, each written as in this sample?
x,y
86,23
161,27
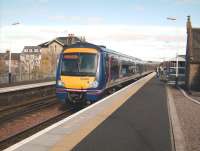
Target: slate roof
x,y
32,47
180,58
60,40
14,56
43,45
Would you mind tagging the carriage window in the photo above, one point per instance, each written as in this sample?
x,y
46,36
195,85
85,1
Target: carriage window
x,y
127,68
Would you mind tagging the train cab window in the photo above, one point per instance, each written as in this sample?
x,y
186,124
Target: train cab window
x,y
87,63
79,64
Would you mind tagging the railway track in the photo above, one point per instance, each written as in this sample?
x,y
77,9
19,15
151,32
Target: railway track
x,y
12,139
22,109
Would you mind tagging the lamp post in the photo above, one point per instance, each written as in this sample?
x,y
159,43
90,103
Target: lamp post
x,y
10,59
176,79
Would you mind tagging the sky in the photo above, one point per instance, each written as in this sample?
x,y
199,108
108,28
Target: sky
x,y
134,27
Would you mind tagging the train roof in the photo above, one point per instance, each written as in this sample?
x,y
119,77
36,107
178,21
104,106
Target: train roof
x,y
121,54
82,45
102,48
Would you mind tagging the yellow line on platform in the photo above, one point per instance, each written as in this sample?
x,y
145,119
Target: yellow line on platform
x,y
71,140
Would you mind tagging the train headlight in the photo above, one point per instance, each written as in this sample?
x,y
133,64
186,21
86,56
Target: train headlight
x,y
94,84
61,83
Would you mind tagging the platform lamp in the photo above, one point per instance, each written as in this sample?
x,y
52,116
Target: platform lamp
x,y
176,79
10,59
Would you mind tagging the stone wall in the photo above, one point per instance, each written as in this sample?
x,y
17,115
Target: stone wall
x,y
195,77
23,96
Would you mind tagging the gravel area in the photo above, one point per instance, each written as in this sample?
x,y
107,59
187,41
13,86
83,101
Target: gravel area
x,y
189,116
22,123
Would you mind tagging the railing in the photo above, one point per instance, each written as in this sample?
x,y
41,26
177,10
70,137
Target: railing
x,y
25,77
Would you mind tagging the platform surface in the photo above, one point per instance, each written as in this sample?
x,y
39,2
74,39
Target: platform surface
x,y
135,118
141,124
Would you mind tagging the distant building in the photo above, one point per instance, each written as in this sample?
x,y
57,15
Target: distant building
x,y
30,59
43,58
50,51
4,62
173,61
56,45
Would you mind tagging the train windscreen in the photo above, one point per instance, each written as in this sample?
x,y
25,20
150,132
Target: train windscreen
x,y
79,64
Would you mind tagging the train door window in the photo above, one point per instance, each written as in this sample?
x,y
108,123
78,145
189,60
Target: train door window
x,y
106,66
139,70
114,68
130,68
134,68
124,71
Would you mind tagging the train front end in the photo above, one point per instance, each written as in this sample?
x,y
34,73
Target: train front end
x,y
78,76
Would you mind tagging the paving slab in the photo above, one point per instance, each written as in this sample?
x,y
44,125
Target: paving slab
x,y
189,116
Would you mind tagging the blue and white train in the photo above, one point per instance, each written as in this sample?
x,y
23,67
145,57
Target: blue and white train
x,y
86,71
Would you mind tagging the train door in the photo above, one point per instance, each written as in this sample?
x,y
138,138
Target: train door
x,y
107,68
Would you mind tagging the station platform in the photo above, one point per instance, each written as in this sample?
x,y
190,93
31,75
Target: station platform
x,y
25,86
135,118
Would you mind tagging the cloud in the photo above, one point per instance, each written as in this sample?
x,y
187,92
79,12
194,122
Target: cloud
x,y
77,19
64,18
139,8
145,42
94,20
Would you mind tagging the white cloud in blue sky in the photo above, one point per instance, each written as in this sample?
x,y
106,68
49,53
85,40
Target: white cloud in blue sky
x,y
146,42
138,27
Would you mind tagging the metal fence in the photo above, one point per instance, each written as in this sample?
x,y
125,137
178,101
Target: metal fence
x,y
20,77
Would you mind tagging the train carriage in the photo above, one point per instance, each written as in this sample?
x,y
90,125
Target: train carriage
x,y
85,71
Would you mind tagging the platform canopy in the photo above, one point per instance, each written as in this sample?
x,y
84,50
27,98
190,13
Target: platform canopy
x,y
180,58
